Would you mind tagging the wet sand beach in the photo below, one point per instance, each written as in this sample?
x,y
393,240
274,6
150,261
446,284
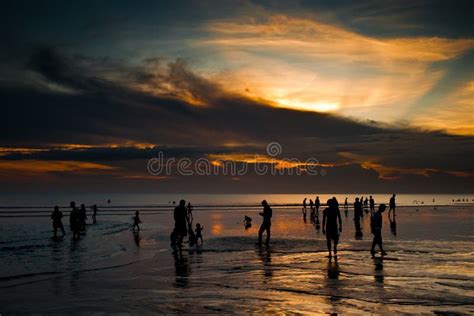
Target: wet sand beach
x,y
429,267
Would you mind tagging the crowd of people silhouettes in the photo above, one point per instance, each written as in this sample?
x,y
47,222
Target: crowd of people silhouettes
x,y
183,218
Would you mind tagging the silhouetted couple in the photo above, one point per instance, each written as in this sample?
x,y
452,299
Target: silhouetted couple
x,y
332,225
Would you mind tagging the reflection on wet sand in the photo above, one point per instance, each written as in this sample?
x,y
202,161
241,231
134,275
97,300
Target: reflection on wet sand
x,y
265,255
182,269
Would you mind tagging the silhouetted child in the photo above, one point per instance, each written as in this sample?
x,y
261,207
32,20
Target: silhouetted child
x,y
199,229
57,216
136,221
247,222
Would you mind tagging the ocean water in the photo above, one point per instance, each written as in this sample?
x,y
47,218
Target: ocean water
x,y
429,268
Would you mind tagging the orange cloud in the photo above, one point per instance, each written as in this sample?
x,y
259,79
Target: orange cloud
x,y
38,166
309,65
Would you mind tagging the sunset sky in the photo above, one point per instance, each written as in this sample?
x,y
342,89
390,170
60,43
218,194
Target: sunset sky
x,y
380,93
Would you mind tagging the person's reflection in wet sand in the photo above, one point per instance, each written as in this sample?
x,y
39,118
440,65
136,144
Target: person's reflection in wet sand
x,y
393,225
182,269
378,270
136,238
265,256
332,283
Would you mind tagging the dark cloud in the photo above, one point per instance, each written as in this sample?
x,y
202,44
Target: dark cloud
x,y
97,101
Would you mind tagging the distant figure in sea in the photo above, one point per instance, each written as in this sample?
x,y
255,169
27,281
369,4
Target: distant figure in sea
x,y
247,222
331,219
366,205
303,210
82,218
266,224
180,223
136,221
376,225
317,204
346,207
57,216
108,201
392,205
372,205
190,213
199,229
357,216
74,221
94,214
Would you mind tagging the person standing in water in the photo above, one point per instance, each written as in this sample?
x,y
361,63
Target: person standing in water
x,y
331,219
74,221
180,222
317,204
346,206
376,224
266,224
303,210
372,205
392,205
94,214
136,221
357,216
57,216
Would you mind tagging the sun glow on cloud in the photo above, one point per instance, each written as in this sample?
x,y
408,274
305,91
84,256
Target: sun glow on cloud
x,y
309,65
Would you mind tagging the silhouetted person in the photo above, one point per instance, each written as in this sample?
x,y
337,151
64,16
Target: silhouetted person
x,y
136,221
346,207
317,204
372,205
180,222
303,210
266,224
366,205
192,240
82,217
357,217
57,216
376,224
190,213
247,222
331,219
199,229
392,205
311,206
94,214
74,221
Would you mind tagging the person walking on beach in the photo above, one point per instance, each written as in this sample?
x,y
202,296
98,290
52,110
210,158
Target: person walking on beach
x,y
376,225
74,221
94,214
331,219
311,206
136,221
57,216
266,224
180,222
317,204
82,218
392,205
372,205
